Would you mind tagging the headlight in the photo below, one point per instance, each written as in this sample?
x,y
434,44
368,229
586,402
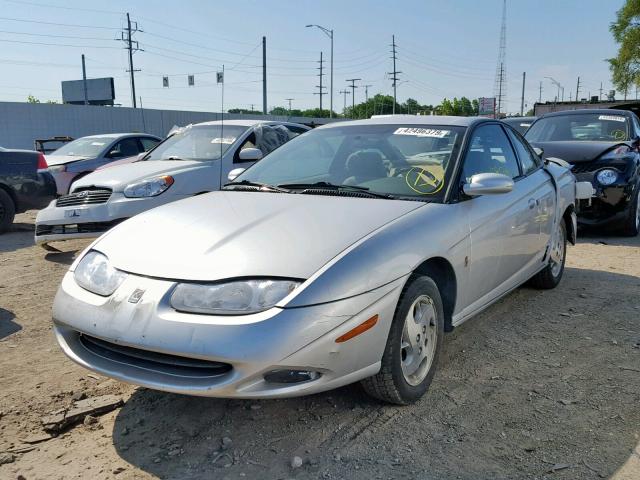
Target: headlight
x,y
149,187
94,273
232,298
606,176
57,168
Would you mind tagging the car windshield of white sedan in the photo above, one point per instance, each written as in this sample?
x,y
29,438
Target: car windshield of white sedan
x,y
397,160
84,147
585,127
197,142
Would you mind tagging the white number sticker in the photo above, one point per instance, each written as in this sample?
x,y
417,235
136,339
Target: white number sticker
x,y
225,140
422,132
613,118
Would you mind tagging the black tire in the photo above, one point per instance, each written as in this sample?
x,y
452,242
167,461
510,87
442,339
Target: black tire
x,y
390,384
550,276
7,211
631,226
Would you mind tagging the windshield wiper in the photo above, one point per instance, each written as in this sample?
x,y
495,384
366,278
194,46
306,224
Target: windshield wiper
x,y
336,188
262,186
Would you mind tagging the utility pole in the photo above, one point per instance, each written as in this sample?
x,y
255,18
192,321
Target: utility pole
x,y
127,37
600,97
524,76
500,80
345,92
578,89
540,97
353,94
394,74
264,75
84,82
366,100
320,87
289,100
328,33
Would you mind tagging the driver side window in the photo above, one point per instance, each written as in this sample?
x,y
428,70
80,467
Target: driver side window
x,y
490,152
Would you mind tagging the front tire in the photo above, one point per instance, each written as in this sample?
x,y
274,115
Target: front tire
x,y
7,211
551,275
413,346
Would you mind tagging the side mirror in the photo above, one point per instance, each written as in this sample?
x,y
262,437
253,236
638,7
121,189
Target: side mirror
x,y
250,154
115,153
488,184
538,151
233,174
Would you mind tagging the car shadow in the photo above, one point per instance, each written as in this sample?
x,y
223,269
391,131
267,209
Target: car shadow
x,y
63,258
7,325
595,237
15,240
541,378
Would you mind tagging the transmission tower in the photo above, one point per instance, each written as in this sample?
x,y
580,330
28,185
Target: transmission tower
x,y
500,87
132,46
321,88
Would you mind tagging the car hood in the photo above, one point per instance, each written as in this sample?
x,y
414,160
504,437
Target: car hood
x,y
62,159
119,176
231,234
576,151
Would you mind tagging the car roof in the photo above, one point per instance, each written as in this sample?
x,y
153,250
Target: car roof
x,y
250,123
518,119
413,120
120,135
604,111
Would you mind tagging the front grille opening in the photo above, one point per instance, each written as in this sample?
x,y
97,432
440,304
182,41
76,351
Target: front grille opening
x,y
158,362
73,228
87,196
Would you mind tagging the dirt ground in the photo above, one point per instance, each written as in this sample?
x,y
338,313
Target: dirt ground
x,y
544,384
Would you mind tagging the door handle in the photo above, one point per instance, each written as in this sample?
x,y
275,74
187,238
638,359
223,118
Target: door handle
x,y
532,203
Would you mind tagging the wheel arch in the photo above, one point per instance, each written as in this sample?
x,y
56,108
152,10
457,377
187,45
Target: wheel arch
x,y
441,271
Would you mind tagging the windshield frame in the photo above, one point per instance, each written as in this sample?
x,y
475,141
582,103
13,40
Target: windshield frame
x,y
542,122
439,196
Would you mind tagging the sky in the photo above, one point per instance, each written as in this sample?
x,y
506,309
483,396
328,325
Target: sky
x,y
445,49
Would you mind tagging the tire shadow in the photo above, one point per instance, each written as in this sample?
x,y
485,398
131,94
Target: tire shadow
x,y
7,325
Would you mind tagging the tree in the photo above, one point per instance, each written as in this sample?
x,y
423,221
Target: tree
x,y
244,111
32,99
625,66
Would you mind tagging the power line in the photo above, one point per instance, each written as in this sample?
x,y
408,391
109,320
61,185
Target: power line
x,y
48,5
56,44
353,93
75,25
48,35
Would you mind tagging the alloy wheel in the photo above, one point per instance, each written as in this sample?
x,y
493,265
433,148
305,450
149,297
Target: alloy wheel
x,y
419,339
557,252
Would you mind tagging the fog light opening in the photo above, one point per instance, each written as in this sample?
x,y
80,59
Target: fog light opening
x,y
291,376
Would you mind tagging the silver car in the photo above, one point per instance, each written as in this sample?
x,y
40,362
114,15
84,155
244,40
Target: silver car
x,y
343,256
83,155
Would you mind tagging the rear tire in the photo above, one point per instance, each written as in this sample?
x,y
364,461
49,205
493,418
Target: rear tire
x,y
7,211
632,223
413,346
551,275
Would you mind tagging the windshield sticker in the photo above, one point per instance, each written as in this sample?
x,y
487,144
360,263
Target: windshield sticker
x,y
613,118
422,132
619,134
423,181
225,140
99,144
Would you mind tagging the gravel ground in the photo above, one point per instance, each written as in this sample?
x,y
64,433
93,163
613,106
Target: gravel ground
x,y
541,385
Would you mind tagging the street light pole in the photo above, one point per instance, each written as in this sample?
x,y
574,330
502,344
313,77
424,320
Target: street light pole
x,y
328,33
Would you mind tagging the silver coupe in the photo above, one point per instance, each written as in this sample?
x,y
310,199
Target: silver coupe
x,y
343,256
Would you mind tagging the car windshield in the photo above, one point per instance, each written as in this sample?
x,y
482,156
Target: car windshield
x,y
197,142
399,160
607,127
84,147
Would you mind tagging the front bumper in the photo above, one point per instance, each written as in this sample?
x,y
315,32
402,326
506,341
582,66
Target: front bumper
x,y
609,207
88,221
244,347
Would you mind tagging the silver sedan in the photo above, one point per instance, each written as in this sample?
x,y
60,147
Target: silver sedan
x,y
343,256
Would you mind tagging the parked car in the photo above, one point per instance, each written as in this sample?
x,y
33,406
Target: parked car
x,y
185,164
342,256
602,145
25,183
521,124
82,156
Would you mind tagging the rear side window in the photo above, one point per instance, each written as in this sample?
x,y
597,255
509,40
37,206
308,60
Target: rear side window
x,y
527,159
